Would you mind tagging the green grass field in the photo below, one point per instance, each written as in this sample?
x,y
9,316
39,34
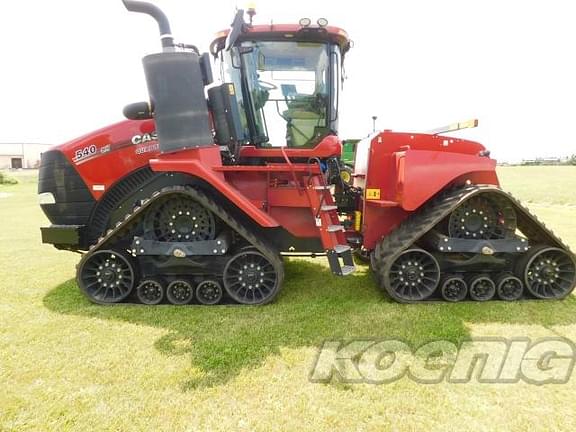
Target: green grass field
x,y
66,364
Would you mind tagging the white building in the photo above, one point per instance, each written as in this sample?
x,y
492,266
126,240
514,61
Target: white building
x,y
21,155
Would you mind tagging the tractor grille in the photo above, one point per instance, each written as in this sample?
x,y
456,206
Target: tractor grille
x,y
74,203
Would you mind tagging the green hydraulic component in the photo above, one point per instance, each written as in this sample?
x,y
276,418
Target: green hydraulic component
x,y
349,151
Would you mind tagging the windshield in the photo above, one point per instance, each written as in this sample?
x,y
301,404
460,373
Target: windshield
x,y
285,91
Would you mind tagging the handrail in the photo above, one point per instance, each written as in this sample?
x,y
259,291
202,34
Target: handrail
x,y
289,163
323,183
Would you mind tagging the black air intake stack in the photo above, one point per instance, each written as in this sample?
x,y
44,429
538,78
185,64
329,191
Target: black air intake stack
x,y
176,89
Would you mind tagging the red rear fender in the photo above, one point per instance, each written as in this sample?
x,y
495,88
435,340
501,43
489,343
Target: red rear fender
x,y
423,174
404,171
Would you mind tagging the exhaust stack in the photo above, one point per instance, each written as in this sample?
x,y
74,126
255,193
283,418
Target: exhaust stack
x,y
155,12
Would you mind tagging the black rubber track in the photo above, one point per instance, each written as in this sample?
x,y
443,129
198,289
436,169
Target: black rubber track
x,y
123,229
433,212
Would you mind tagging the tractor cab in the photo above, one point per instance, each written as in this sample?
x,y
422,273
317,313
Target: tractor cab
x,y
286,80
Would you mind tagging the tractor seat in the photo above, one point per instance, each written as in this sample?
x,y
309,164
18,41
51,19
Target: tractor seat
x,y
306,119
301,127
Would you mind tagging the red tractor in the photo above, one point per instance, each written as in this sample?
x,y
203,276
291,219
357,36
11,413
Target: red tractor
x,y
202,191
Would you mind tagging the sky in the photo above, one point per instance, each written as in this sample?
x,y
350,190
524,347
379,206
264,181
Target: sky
x,y
70,66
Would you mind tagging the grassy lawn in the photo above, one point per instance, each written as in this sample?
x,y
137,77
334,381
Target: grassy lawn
x,y
66,364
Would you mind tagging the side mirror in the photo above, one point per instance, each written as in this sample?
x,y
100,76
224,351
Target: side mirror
x,y
138,111
237,28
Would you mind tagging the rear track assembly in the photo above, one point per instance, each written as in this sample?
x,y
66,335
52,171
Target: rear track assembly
x,y
464,244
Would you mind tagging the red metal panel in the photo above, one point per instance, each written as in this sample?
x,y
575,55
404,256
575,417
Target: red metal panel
x,y
105,156
330,146
428,172
270,167
395,141
253,185
199,162
380,221
433,162
409,169
298,221
288,197
278,31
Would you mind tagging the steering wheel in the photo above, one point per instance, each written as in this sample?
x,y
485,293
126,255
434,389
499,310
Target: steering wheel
x,y
267,85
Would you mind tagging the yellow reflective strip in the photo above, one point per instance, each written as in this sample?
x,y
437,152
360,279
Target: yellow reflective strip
x,y
357,220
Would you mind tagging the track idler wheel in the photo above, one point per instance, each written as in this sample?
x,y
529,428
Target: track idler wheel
x,y
509,287
454,289
150,292
481,287
107,276
180,218
209,292
482,217
251,278
548,272
179,292
412,276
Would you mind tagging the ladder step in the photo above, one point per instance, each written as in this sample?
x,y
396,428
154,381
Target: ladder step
x,y
335,228
355,240
341,269
341,248
327,208
346,270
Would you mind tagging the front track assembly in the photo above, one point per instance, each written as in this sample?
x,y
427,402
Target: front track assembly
x,y
475,243
179,246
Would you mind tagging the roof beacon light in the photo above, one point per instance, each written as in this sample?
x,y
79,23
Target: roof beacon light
x,y
322,22
251,11
305,22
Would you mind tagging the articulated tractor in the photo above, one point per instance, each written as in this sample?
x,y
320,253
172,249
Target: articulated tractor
x,y
199,195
